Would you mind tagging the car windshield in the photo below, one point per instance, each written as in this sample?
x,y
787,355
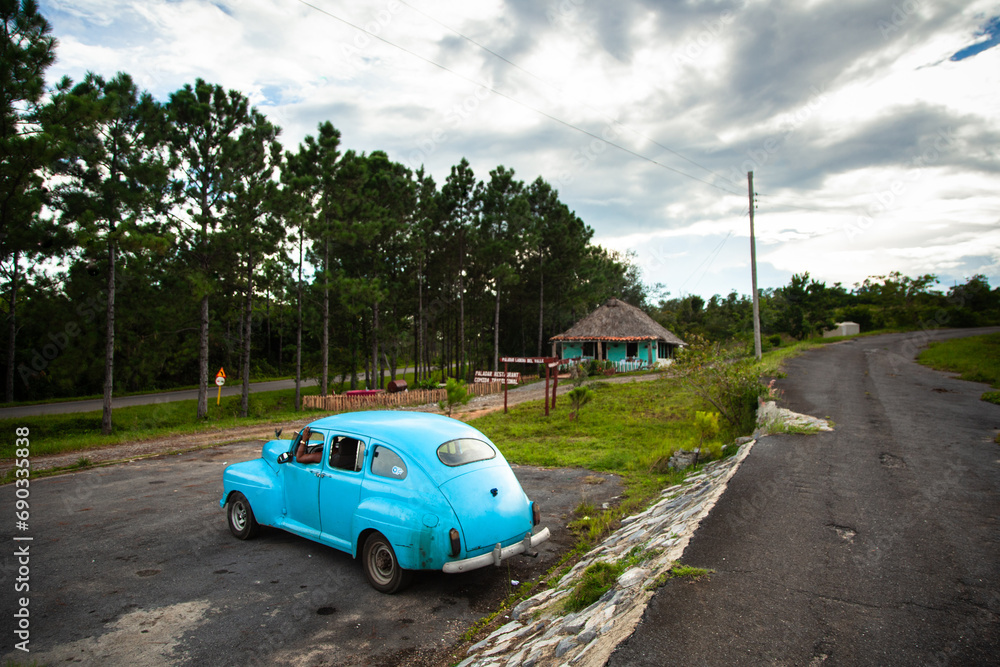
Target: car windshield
x,y
464,450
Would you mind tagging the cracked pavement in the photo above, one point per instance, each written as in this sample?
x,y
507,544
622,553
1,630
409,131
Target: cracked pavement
x,y
874,544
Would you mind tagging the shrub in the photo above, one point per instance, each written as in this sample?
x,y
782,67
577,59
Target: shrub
x,y
456,395
578,397
731,385
707,424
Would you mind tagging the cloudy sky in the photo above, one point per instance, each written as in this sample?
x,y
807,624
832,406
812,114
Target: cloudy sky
x,y
872,126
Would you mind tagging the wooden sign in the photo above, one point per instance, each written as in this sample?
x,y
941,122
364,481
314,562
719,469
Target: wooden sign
x,y
526,360
507,377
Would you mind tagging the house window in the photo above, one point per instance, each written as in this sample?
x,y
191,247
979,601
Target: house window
x,y
632,350
590,350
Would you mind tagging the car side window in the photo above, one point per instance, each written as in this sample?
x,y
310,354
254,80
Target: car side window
x,y
310,446
346,453
387,463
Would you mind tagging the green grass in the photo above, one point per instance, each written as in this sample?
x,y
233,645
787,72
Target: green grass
x,y
599,577
679,571
54,434
976,358
626,429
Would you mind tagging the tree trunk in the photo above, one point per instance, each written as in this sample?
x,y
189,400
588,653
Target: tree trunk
x,y
375,359
12,328
421,325
202,411
496,332
298,336
354,354
247,330
541,299
461,305
109,350
325,336
281,335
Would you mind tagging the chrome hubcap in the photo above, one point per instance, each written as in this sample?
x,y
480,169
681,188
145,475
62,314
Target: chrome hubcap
x,y
239,516
382,563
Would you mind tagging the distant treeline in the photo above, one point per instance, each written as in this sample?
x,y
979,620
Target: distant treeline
x,y
806,307
144,244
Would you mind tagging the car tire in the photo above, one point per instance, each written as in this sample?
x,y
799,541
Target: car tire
x,y
242,522
381,566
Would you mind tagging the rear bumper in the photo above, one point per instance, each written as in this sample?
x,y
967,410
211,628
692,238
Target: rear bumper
x,y
498,554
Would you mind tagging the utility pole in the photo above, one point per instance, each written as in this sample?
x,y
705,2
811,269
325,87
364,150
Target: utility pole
x,y
753,273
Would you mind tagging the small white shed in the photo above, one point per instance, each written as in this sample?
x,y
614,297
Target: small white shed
x,y
843,329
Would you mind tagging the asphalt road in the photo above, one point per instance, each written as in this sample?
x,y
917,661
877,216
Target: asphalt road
x,y
93,404
234,388
875,544
133,564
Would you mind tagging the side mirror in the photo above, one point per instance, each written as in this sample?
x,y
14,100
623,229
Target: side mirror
x,y
284,457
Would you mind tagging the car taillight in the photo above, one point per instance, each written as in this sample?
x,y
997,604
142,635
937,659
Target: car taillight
x,y
536,514
456,543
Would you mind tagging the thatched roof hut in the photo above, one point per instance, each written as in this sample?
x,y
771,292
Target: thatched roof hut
x,y
617,331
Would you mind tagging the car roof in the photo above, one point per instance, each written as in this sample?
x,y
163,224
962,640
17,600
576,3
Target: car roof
x,y
416,435
411,431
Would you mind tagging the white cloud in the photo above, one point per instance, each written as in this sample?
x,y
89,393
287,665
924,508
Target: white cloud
x,y
837,107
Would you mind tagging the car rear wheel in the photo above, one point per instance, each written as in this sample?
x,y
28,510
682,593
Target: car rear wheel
x,y
242,523
381,567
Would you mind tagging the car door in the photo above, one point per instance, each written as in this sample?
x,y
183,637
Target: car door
x,y
302,488
340,488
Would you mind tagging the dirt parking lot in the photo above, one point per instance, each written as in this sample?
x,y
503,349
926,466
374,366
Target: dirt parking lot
x,y
134,564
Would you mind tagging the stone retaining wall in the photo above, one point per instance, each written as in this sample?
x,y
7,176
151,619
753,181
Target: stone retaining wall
x,y
541,634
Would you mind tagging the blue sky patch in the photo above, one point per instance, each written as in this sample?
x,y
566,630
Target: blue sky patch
x,y
991,31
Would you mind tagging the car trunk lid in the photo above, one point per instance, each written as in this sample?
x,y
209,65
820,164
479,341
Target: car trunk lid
x,y
490,505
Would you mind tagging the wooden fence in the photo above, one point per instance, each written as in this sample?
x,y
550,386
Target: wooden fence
x,y
342,403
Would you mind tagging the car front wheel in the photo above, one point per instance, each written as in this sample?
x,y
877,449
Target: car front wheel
x,y
381,567
242,523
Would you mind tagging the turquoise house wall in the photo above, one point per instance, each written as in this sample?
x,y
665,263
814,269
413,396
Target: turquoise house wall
x,y
613,351
616,351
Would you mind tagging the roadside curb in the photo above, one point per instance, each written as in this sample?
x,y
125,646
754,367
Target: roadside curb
x,y
539,635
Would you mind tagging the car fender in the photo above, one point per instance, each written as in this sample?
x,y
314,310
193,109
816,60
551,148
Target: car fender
x,y
259,483
417,528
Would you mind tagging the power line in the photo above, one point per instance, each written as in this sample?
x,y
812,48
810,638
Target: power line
x,y
710,259
558,89
514,100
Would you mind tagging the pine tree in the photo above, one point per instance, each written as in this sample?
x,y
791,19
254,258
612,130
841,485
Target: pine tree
x,y
115,184
28,51
204,121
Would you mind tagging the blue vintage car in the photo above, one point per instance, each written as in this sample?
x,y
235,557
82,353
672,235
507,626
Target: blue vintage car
x,y
408,491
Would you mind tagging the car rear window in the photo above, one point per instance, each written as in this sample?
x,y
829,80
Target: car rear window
x,y
464,450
